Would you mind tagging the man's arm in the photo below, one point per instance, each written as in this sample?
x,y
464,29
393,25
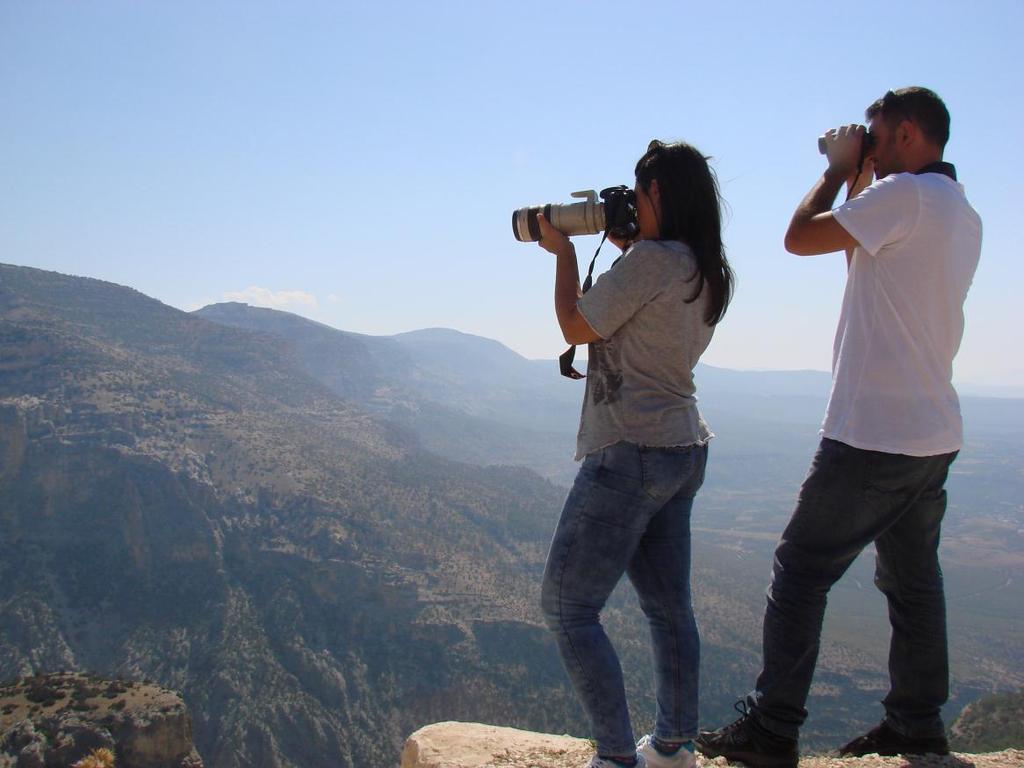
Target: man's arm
x,y
575,329
813,229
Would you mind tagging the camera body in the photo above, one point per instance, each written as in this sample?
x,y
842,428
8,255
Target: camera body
x,y
615,214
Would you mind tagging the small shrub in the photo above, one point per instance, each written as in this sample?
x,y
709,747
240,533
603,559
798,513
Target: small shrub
x,y
98,758
41,693
85,692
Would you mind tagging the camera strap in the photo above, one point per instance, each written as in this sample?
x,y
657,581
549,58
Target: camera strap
x,y
565,359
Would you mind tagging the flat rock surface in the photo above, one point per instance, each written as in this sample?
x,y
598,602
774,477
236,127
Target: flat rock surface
x,y
473,745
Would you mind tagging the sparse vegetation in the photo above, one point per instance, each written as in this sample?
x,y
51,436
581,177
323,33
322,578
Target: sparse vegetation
x,y
98,758
991,723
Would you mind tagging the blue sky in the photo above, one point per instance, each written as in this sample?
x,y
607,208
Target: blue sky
x,y
359,163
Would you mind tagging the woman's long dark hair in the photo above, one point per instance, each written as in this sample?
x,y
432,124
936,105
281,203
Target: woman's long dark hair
x,y
691,212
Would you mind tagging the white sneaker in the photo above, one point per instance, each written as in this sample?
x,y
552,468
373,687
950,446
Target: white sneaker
x,y
684,758
600,762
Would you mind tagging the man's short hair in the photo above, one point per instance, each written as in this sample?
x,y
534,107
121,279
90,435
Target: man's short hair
x,y
920,106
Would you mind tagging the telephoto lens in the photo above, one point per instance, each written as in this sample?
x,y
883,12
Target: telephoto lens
x,y
586,218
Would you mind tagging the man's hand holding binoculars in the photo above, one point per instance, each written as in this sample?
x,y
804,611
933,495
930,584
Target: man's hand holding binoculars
x,y
847,158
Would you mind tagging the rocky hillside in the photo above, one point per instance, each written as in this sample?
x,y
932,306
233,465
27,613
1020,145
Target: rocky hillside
x,y
60,719
181,503
992,722
265,514
472,745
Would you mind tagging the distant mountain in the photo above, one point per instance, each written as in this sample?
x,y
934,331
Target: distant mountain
x,y
464,397
814,384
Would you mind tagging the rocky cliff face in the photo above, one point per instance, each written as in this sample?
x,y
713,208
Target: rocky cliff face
x,y
472,745
181,503
59,719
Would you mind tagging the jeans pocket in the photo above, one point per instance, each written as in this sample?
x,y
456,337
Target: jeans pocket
x,y
620,468
667,471
613,487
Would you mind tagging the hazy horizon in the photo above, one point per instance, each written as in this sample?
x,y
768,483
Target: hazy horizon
x,y
964,387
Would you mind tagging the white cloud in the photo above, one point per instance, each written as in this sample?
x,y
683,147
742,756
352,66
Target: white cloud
x,y
292,301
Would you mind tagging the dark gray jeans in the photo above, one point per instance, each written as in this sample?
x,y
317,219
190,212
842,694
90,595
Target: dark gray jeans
x,y
853,497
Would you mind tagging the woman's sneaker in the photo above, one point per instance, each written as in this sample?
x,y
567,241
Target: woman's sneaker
x,y
604,762
683,757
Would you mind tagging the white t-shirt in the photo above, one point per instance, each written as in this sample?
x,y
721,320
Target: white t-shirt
x,y
902,316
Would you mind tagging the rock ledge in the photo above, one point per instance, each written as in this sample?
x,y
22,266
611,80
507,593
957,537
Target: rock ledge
x,y
60,718
473,745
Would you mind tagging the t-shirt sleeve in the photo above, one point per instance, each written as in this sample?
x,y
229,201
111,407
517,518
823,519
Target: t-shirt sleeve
x,y
633,281
884,213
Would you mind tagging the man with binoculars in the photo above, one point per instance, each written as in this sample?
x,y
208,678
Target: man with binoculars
x,y
891,430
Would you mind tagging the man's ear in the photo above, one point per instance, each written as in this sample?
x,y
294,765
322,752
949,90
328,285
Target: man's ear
x,y
907,133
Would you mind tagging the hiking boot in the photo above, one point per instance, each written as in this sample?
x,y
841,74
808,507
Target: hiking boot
x,y
747,741
655,758
886,741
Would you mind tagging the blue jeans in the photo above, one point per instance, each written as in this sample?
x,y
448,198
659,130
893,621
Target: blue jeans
x,y
628,513
853,497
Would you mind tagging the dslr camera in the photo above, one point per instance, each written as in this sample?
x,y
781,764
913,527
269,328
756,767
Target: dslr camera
x,y
615,215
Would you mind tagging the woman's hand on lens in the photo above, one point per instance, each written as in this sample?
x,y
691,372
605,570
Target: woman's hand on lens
x,y
551,240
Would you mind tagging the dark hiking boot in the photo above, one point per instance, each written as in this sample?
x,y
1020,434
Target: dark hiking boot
x,y
747,741
886,741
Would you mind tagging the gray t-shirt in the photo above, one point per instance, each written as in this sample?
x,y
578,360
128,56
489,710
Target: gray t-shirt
x,y
640,376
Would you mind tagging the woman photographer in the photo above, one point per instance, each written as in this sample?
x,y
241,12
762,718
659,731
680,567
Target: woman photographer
x,y
644,448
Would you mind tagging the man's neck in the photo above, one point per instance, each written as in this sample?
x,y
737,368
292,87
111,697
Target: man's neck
x,y
919,156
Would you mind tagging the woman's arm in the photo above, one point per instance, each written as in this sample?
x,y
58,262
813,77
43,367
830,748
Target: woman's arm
x,y
574,327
